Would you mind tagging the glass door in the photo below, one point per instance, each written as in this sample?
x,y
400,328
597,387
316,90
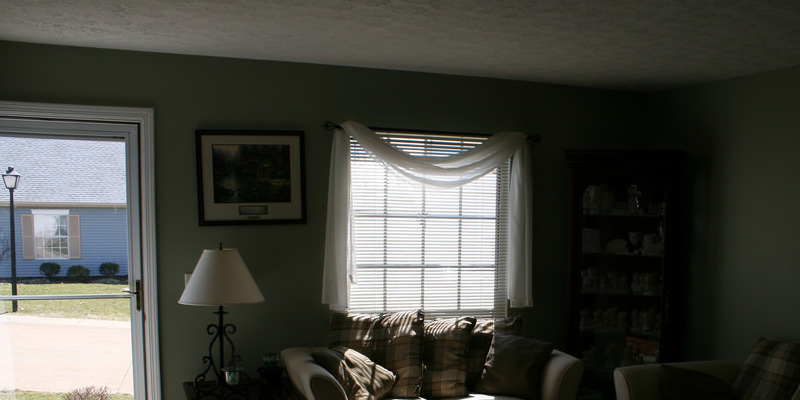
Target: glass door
x,y
72,275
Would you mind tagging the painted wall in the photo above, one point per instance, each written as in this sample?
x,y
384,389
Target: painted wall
x,y
189,93
743,136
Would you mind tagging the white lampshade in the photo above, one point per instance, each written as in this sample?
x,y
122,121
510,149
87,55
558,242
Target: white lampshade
x,y
221,278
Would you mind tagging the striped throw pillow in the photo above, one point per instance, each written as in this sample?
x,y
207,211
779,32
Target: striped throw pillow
x,y
392,340
771,371
361,378
444,354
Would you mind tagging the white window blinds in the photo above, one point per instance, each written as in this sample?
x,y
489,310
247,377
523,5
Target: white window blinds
x,y
440,219
420,246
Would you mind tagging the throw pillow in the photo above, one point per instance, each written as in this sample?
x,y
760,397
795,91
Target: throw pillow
x,y
391,340
514,366
771,371
481,340
444,354
684,384
361,378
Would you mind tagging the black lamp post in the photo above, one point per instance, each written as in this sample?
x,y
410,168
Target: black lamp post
x,y
11,180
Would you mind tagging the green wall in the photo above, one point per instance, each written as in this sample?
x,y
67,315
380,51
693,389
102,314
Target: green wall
x,y
743,136
189,93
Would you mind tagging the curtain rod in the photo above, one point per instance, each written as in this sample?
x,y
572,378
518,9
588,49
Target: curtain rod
x,y
330,125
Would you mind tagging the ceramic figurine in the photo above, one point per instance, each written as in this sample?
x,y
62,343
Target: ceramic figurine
x,y
634,199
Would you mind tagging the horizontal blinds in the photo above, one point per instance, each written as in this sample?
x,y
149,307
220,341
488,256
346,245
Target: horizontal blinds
x,y
442,250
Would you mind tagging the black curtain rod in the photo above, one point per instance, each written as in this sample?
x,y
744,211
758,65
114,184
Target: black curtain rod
x,y
329,126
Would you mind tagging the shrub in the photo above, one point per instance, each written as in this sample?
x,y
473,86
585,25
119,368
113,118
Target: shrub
x,y
49,269
78,272
109,269
88,393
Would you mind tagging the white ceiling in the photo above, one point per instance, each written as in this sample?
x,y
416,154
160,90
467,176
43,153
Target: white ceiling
x,y
641,45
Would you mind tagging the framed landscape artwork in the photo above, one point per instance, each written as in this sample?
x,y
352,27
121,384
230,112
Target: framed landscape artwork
x,y
250,177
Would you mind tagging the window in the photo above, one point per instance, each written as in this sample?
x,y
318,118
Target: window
x,y
418,246
50,234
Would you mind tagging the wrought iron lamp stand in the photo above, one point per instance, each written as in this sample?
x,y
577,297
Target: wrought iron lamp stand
x,y
222,387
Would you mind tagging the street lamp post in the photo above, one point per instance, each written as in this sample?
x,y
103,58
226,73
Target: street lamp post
x,y
11,180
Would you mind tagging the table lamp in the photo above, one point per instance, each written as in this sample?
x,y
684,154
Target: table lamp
x,y
220,279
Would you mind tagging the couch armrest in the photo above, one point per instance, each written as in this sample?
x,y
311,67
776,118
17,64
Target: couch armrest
x,y
641,382
309,379
561,377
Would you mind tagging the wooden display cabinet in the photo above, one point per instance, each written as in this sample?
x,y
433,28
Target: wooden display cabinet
x,y
627,256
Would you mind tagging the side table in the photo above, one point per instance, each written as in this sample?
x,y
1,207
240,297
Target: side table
x,y
269,386
250,389
272,382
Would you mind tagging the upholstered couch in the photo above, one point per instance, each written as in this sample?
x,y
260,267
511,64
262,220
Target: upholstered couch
x,y
401,355
771,371
643,382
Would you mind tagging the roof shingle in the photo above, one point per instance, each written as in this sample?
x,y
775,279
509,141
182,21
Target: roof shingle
x,y
65,170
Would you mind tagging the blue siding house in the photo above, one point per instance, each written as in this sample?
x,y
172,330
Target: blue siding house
x,y
70,206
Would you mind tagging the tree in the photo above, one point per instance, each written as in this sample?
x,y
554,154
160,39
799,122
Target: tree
x,y
5,246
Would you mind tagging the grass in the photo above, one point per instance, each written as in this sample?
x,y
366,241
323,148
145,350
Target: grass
x,y
105,309
25,395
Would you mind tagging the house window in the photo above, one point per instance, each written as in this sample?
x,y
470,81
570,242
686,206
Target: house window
x,y
418,246
50,234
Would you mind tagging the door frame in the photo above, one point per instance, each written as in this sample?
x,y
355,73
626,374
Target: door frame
x,y
146,351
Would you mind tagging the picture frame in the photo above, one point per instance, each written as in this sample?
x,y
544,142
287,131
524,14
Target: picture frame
x,y
250,177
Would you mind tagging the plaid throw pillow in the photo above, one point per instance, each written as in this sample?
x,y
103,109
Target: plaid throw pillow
x,y
481,340
361,378
771,371
444,354
391,340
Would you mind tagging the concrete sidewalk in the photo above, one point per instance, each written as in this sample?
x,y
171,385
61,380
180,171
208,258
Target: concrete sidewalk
x,y
59,355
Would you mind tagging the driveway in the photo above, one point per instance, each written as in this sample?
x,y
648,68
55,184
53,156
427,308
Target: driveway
x,y
60,355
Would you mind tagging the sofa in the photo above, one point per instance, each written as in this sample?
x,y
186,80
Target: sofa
x,y
643,382
400,355
771,371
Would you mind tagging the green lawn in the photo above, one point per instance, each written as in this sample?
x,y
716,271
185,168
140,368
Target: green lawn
x,y
106,309
23,395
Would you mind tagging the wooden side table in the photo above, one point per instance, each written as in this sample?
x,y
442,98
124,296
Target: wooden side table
x,y
272,382
246,390
270,385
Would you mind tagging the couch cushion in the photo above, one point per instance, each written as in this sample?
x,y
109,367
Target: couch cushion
x,y
514,366
391,340
771,371
361,378
444,354
684,384
481,340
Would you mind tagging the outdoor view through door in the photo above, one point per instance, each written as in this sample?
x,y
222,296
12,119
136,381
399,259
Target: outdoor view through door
x,y
70,261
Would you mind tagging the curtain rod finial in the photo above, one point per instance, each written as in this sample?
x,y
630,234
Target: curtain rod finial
x,y
329,125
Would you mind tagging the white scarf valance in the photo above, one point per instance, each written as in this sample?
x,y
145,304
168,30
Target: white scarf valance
x,y
444,172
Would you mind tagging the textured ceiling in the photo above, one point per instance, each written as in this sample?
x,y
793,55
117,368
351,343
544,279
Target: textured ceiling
x,y
641,45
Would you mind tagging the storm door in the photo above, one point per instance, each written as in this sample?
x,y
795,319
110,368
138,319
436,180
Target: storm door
x,y
77,262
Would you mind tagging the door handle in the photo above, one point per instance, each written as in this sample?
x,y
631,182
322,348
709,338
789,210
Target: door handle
x,y
137,292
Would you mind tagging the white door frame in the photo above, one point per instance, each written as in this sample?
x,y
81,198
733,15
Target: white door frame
x,y
145,350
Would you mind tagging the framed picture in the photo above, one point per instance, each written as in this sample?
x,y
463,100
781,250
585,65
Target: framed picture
x,y
250,177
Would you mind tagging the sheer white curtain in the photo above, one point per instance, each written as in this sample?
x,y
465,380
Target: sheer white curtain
x,y
445,172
